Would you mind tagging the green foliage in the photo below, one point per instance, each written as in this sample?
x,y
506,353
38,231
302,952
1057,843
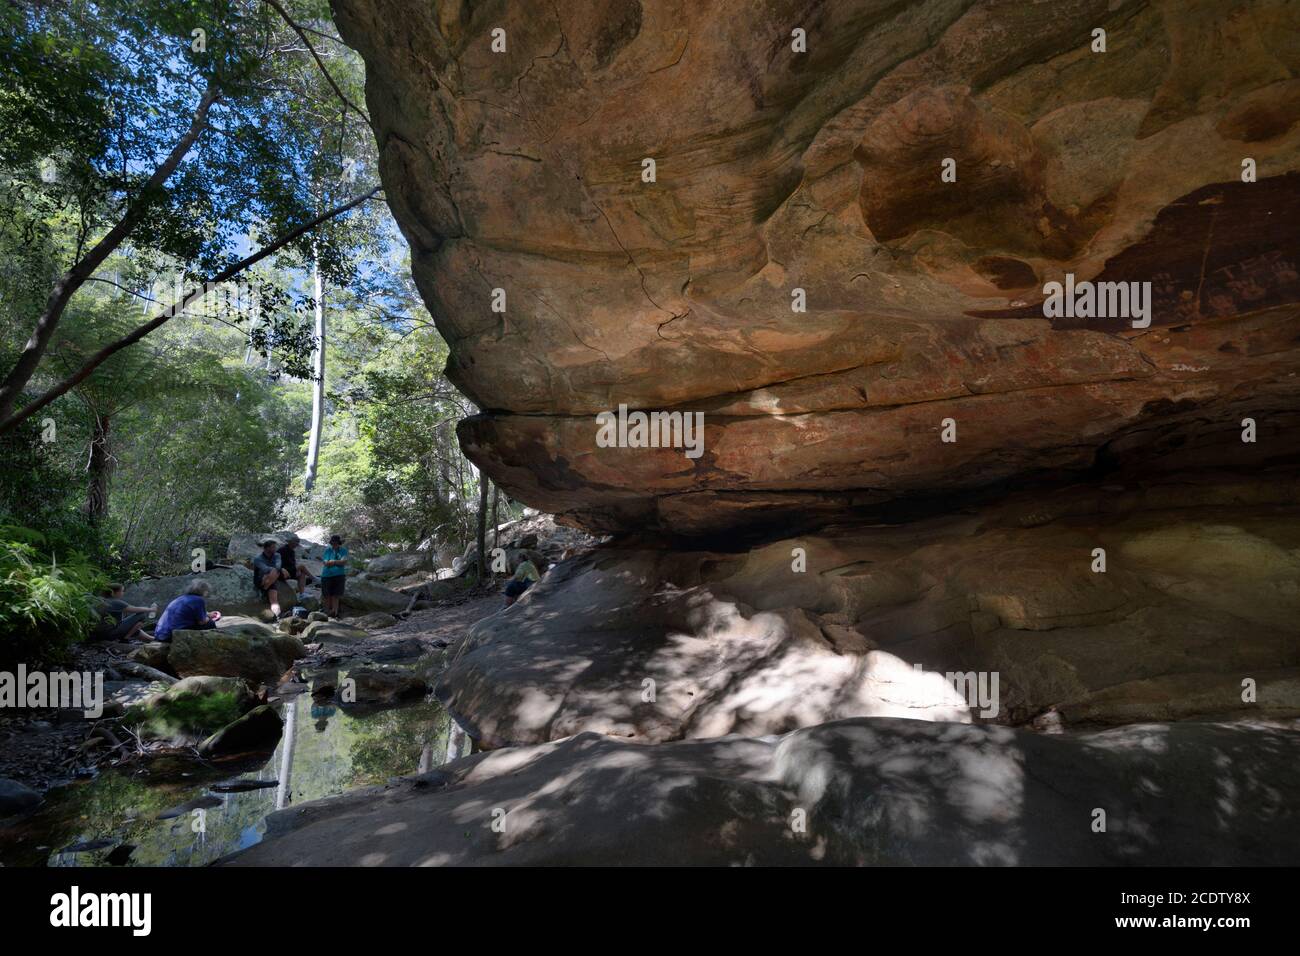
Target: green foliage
x,y
45,604
196,715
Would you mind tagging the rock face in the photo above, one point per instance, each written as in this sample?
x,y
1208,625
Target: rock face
x,y
874,792
232,588
782,175
1196,605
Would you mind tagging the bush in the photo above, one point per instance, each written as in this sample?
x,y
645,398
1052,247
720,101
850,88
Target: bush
x,y
45,604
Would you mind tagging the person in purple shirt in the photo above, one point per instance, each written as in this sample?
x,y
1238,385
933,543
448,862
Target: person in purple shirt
x,y
188,612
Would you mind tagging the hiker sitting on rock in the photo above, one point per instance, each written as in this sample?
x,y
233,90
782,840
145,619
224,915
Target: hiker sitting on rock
x,y
121,621
524,577
189,612
333,575
289,562
268,572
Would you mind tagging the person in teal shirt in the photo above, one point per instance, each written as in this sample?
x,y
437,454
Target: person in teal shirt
x,y
333,575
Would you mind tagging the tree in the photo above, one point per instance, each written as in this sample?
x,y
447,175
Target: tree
x,y
190,117
122,382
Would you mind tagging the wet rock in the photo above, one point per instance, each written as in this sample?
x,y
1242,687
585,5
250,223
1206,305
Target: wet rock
x,y
258,730
120,854
318,616
204,802
17,798
243,786
325,683
379,687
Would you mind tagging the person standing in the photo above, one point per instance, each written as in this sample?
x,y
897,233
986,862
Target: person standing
x,y
333,575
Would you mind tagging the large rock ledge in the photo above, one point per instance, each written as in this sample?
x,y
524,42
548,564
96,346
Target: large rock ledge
x,y
866,792
778,171
1199,595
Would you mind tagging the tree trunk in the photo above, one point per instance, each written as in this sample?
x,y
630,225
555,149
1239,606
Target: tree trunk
x,y
482,525
318,398
496,524
99,470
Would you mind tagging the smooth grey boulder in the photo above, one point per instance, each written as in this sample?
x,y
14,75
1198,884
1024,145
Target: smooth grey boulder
x,y
232,588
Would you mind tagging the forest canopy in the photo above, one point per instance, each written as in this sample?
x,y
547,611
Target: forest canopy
x,y
207,324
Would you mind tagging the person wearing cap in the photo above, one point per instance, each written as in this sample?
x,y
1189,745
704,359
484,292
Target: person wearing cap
x,y
268,572
333,575
289,562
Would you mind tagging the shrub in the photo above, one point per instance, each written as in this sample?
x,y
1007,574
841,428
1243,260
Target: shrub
x,y
45,603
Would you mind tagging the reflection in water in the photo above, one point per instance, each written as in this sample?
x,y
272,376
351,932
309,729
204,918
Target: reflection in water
x,y
324,750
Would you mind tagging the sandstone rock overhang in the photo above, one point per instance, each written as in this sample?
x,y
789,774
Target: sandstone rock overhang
x,y
777,171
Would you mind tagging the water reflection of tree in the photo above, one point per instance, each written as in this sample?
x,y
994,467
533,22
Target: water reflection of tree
x,y
389,744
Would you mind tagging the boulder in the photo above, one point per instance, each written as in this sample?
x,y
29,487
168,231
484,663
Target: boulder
x,y
244,545
406,649
16,798
153,654
192,708
315,616
333,632
361,597
380,687
873,791
257,730
906,621
236,648
376,621
232,589
397,564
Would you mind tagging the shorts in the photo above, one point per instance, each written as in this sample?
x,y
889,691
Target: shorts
x,y
515,588
332,586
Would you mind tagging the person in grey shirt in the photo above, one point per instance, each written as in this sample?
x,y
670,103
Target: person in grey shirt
x,y
268,572
127,619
